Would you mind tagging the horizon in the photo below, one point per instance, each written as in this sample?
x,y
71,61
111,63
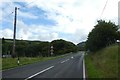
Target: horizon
x,y
41,41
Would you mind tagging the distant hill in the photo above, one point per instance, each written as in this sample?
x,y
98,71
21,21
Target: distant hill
x,y
81,46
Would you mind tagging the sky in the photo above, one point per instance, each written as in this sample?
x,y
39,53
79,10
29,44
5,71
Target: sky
x,y
47,20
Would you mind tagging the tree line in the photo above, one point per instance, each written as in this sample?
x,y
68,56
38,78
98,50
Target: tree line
x,y
26,48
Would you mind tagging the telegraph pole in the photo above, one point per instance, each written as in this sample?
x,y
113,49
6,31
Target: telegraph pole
x,y
14,34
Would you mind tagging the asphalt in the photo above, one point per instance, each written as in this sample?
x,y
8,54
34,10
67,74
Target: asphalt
x,y
70,66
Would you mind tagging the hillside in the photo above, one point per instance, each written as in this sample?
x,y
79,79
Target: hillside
x,y
26,48
81,46
103,64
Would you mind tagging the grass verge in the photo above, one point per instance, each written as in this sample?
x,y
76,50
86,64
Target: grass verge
x,y
92,71
8,63
103,64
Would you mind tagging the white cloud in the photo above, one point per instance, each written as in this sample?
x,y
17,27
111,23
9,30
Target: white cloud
x,y
6,33
74,17
27,15
7,10
35,32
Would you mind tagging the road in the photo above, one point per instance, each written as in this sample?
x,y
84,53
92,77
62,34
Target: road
x,y
70,66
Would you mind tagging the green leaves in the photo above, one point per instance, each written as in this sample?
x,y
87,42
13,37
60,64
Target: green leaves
x,y
102,35
37,48
62,47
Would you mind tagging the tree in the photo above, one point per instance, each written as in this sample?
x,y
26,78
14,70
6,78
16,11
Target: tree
x,y
37,48
102,35
63,47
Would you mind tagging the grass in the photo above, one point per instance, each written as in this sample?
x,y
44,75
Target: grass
x,y
103,64
8,63
92,71
0,63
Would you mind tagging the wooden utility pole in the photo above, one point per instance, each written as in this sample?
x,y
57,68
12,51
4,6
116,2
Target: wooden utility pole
x,y
14,34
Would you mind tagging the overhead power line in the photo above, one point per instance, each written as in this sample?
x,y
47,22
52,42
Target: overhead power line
x,y
28,4
18,9
104,8
7,16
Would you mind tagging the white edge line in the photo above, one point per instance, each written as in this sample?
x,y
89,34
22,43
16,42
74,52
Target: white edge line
x,y
39,73
83,69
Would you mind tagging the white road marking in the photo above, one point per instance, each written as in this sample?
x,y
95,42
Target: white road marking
x,y
72,57
65,60
62,61
39,73
83,69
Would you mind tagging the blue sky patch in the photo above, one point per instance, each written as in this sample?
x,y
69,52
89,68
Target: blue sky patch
x,y
38,12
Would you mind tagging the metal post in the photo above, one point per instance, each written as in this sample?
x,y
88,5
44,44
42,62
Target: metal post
x,y
51,50
18,61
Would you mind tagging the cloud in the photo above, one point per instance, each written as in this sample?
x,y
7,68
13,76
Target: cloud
x,y
71,17
27,15
6,33
35,32
74,17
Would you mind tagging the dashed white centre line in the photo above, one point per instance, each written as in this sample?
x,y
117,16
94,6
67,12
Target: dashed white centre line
x,y
62,61
39,73
65,60
72,57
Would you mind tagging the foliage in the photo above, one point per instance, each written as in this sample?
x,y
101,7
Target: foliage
x,y
37,48
62,47
102,35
